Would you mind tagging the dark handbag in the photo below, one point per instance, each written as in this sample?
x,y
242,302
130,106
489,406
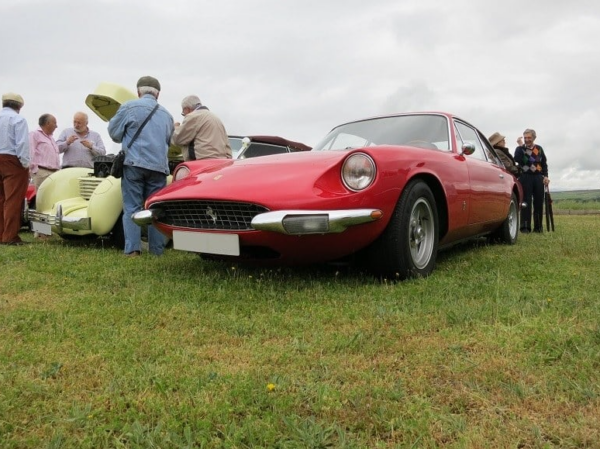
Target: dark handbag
x,y
119,161
117,165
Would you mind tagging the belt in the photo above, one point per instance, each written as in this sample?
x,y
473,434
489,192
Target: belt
x,y
48,168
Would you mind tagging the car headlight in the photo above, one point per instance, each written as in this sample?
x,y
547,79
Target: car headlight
x,y
358,171
181,172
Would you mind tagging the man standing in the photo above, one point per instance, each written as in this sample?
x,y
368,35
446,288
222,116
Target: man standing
x,y
202,134
45,158
534,176
145,128
14,164
79,144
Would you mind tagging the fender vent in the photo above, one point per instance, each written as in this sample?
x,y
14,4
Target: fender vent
x,y
87,185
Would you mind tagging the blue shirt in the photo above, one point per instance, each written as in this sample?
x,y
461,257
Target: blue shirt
x,y
150,150
14,135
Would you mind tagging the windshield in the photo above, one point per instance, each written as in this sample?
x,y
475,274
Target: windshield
x,y
236,145
421,130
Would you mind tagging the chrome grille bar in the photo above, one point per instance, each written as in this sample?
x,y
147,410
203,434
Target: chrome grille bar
x,y
211,215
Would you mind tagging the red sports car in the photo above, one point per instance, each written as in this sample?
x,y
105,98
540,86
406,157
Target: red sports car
x,y
390,190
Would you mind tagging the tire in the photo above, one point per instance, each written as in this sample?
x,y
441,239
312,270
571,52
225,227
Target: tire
x,y
117,235
408,246
508,232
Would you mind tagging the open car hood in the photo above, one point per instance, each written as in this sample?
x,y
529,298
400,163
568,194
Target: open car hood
x,y
106,101
107,98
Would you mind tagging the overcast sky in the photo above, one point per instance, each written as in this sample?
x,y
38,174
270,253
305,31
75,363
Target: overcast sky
x,y
298,68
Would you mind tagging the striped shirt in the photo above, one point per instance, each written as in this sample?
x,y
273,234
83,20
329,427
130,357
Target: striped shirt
x,y
44,151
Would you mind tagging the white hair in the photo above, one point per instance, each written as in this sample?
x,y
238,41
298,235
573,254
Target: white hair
x,y
191,101
143,90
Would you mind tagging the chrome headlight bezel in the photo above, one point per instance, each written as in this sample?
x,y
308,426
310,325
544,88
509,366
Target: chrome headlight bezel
x,y
181,172
358,171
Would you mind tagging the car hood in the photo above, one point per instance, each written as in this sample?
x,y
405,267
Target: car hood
x,y
278,178
107,98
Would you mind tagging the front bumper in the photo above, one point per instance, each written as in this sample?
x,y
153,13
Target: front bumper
x,y
293,222
58,222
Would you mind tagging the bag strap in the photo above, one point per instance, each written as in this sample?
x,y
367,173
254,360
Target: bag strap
x,y
191,149
139,130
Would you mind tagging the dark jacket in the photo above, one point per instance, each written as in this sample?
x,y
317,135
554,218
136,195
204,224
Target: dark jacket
x,y
507,160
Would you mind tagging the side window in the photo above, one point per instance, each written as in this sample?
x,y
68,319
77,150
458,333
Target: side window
x,y
466,134
491,153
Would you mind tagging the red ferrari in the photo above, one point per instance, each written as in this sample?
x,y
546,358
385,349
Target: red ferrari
x,y
390,190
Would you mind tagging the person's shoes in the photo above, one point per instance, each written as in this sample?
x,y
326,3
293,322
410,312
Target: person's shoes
x,y
525,231
538,230
16,243
133,254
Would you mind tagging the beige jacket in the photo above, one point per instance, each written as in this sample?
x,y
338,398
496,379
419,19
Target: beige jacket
x,y
206,131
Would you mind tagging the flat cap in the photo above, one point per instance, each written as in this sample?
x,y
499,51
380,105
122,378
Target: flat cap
x,y
148,81
13,97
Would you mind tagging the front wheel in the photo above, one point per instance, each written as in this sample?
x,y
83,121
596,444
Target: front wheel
x,y
117,235
408,246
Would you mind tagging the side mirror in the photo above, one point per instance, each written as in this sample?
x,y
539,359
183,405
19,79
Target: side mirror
x,y
468,149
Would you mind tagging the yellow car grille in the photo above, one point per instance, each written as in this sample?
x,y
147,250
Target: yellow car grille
x,y
87,185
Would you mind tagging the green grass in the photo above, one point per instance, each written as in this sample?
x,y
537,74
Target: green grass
x,y
500,347
576,200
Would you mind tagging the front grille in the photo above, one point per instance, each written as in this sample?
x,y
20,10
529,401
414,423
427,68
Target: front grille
x,y
213,215
87,185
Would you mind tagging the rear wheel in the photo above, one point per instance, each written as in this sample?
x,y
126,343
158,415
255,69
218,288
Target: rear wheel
x,y
509,230
408,246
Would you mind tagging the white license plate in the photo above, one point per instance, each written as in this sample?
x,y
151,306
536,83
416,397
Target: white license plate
x,y
41,228
206,242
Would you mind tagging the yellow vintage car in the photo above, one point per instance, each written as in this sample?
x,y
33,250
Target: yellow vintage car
x,y
81,202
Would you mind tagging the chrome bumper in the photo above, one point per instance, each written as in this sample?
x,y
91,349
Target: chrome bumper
x,y
294,222
60,222
303,222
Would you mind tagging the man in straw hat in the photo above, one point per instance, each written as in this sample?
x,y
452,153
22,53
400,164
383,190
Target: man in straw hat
x,y
145,128
14,167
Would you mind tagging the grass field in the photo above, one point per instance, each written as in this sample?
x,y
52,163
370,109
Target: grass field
x,y
499,348
576,200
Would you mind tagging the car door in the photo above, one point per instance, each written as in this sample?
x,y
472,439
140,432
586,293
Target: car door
x,y
488,182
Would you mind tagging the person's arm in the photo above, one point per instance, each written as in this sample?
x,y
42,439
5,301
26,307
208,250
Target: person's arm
x,y
185,133
98,148
544,163
33,168
62,142
117,125
518,156
23,145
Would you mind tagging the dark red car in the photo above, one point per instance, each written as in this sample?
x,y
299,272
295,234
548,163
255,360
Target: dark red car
x,y
390,190
28,203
